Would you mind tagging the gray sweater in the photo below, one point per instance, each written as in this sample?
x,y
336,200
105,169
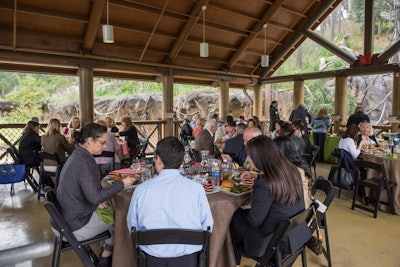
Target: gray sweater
x,y
79,190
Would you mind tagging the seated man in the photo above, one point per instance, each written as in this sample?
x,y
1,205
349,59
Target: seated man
x,y
170,200
205,139
233,145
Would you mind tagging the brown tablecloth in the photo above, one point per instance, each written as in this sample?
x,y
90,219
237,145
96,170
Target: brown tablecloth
x,y
222,207
392,168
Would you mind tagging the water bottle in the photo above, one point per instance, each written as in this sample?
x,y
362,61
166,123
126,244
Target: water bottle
x,y
225,173
215,174
187,158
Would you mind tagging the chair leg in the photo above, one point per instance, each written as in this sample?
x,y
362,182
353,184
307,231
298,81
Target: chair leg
x,y
354,195
328,249
377,202
31,181
304,258
55,261
390,199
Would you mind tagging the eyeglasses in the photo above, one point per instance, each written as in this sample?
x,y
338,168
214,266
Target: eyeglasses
x,y
102,142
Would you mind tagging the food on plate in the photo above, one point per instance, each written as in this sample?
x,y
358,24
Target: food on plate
x,y
227,184
208,187
240,188
235,165
116,176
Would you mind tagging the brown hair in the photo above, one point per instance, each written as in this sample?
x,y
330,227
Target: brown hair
x,y
283,178
322,112
30,127
127,121
351,131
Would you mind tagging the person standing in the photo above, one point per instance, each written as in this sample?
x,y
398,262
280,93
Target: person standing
x,y
357,117
273,115
301,113
205,139
320,126
170,200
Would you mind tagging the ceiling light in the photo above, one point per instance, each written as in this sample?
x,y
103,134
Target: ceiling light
x,y
204,45
108,30
265,57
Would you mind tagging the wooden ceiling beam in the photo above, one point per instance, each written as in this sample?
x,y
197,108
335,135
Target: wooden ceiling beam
x,y
286,50
96,11
185,31
269,12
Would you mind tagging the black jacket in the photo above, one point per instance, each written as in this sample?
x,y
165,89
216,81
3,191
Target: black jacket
x,y
131,136
356,118
29,144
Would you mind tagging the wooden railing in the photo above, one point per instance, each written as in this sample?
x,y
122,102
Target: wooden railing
x,y
11,133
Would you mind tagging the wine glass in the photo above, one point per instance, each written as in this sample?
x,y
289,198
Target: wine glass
x,y
136,165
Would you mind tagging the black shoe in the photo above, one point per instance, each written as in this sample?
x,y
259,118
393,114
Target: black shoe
x,y
105,261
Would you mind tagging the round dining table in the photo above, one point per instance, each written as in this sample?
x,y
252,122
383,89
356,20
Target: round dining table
x,y
222,206
392,169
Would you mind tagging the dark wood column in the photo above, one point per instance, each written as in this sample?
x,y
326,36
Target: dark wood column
x,y
341,102
223,100
168,105
86,95
395,100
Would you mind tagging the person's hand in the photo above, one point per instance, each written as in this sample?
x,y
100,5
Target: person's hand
x,y
362,144
102,205
128,181
226,157
248,177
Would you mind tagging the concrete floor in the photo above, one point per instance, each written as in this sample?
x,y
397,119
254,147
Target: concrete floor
x,y
356,238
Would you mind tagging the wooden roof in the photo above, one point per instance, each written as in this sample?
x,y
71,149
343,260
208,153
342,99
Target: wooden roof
x,y
154,37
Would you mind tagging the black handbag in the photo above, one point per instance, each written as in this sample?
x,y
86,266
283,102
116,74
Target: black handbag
x,y
341,178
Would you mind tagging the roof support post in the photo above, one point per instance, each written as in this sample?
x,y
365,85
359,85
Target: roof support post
x,y
223,100
369,27
86,94
341,101
395,100
168,104
267,102
257,107
298,93
349,58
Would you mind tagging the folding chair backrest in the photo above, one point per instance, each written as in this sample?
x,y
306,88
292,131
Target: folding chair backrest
x,y
172,236
13,151
284,228
378,167
325,186
53,157
62,227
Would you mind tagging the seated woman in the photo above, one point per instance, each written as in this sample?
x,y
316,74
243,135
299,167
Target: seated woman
x,y
29,144
110,123
277,194
73,125
348,141
278,126
131,135
199,126
54,142
291,148
367,134
299,130
79,192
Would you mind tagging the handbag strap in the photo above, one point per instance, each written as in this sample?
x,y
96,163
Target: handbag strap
x,y
314,218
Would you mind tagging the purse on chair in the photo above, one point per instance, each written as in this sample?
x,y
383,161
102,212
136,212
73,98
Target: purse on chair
x,y
315,242
341,178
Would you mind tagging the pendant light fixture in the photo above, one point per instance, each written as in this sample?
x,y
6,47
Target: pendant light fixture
x,y
108,30
204,45
265,57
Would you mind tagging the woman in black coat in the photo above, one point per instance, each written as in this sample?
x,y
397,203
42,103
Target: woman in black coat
x,y
131,135
277,195
29,144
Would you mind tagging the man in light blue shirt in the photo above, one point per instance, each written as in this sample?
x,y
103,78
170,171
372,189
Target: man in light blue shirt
x,y
170,200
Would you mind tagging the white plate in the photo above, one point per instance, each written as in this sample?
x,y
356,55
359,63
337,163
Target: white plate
x,y
234,194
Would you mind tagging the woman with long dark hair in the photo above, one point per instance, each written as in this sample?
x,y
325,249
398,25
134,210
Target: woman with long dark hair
x,y
277,194
29,144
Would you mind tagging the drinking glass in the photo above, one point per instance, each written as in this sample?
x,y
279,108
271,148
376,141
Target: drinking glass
x,y
136,165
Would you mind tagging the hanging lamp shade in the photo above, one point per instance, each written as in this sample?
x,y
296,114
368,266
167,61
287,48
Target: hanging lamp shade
x,y
264,61
204,45
203,49
108,34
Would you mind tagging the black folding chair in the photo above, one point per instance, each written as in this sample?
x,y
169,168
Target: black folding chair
x,y
325,187
46,175
312,159
377,184
12,150
274,255
171,236
65,240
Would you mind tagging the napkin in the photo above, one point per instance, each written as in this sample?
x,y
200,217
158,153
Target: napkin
x,y
126,171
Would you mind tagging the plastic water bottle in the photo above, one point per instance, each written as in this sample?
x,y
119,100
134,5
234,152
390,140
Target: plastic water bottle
x,y
225,174
215,174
